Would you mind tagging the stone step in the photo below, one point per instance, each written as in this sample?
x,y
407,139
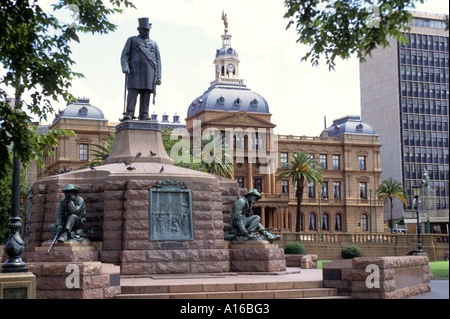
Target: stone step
x,y
238,290
219,287
245,294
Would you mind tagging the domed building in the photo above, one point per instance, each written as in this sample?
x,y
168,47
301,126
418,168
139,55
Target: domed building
x,y
90,126
348,125
348,151
228,102
80,109
229,106
227,92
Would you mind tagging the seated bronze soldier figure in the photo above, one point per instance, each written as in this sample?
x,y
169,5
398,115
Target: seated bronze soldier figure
x,y
245,225
70,216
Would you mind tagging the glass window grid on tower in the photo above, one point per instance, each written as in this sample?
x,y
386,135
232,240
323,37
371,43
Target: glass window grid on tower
x,y
424,94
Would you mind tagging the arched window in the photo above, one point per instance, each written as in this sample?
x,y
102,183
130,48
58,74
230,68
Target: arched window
x,y
312,221
364,222
338,222
325,221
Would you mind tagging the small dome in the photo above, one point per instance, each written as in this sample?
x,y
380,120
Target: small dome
x,y
228,97
81,109
350,125
226,51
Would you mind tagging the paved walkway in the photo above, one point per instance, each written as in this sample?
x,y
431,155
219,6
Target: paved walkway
x,y
439,290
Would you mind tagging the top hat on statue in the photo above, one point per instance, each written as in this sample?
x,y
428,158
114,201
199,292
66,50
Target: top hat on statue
x,y
144,23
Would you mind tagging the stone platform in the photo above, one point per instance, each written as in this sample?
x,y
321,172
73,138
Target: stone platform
x,y
291,283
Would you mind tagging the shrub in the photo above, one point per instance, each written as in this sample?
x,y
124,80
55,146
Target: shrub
x,y
294,249
351,252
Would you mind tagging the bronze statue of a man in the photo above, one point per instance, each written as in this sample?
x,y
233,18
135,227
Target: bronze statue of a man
x,y
70,216
244,224
141,63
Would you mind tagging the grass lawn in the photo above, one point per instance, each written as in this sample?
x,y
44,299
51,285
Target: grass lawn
x,y
439,269
320,262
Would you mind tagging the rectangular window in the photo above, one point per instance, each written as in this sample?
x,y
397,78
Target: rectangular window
x,y
362,163
337,190
283,159
323,161
325,190
257,184
84,152
240,181
311,190
363,190
336,162
285,187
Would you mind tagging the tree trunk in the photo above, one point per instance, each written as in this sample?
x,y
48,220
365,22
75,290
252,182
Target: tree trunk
x,y
392,218
299,194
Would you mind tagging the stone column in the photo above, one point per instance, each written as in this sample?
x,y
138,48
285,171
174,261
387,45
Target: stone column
x,y
286,217
263,216
250,175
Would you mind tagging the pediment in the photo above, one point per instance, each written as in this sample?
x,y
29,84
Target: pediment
x,y
239,119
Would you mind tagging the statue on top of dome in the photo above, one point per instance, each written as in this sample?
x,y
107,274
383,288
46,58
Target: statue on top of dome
x,y
225,20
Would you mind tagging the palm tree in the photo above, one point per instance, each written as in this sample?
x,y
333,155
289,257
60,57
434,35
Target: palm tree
x,y
388,191
302,167
217,158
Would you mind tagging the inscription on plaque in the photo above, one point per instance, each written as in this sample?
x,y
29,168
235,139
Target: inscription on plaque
x,y
170,212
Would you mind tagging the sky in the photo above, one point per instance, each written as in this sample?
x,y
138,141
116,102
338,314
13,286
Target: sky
x,y
188,32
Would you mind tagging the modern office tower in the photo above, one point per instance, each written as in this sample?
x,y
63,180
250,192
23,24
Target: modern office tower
x,y
405,97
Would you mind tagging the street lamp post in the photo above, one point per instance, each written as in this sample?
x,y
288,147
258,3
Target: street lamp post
x,y
427,189
14,245
416,194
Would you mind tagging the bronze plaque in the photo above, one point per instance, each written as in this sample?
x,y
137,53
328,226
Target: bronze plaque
x,y
170,212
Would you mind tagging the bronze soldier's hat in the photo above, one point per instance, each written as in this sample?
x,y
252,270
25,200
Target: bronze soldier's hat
x,y
70,187
254,192
144,23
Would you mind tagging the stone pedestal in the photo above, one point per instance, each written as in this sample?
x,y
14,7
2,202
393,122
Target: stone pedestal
x,y
65,252
133,137
122,210
256,256
72,270
18,285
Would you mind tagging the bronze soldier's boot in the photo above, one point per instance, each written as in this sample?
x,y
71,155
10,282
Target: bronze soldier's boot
x,y
270,238
63,237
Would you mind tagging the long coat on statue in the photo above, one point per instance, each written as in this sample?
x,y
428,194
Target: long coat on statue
x,y
141,57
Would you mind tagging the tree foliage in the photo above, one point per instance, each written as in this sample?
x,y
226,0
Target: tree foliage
x,y
301,168
216,157
35,55
341,28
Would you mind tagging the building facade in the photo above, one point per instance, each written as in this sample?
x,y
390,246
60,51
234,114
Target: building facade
x,y
349,151
73,152
405,96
